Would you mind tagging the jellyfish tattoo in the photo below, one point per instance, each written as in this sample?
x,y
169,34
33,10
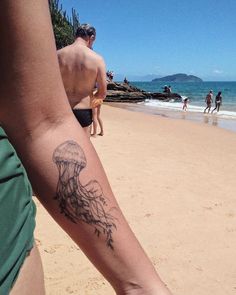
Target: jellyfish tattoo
x,y
79,202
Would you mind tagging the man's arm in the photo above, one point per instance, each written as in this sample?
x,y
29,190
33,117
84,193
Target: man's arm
x,y
101,80
100,94
61,163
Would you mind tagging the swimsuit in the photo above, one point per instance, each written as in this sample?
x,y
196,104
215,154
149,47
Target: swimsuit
x,y
84,116
17,215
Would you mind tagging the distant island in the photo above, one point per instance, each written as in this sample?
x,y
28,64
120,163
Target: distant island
x,y
178,78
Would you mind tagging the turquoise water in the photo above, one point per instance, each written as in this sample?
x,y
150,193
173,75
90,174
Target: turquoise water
x,y
197,91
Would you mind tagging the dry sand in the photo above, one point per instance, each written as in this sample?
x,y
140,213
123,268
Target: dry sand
x,y
175,182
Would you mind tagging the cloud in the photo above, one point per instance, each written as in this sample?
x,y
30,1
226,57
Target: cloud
x,y
218,72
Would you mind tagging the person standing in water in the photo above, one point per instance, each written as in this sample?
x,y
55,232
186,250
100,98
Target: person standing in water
x,y
185,104
218,102
209,101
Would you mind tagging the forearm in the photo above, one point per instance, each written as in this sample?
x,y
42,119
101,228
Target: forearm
x,y
61,163
83,204
101,92
100,95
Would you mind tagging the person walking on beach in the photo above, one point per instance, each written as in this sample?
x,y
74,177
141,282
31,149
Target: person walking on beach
x,y
54,149
218,102
97,120
185,104
82,69
209,101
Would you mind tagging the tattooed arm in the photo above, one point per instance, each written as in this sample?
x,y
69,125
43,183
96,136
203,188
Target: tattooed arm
x,y
61,163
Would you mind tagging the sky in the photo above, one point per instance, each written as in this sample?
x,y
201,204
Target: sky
x,y
163,37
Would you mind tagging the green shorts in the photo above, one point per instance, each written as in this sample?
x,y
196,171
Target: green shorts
x,y
17,215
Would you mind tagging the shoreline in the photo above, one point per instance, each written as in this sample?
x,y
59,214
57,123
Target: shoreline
x,y
197,117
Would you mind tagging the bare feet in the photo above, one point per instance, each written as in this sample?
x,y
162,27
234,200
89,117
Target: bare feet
x,y
101,134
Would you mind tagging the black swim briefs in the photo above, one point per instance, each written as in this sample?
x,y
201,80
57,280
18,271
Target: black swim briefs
x,y
84,116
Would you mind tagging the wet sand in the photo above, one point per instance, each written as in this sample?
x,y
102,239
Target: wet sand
x,y
211,119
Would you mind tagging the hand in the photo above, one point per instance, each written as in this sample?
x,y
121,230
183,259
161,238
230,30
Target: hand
x,y
96,102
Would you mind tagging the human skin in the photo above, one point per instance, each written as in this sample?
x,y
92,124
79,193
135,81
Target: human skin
x,y
61,163
97,121
81,69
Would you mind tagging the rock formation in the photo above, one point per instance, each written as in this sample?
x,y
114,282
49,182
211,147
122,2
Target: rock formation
x,y
123,92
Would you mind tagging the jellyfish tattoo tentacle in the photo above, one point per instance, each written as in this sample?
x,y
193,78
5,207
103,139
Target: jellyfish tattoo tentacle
x,y
79,202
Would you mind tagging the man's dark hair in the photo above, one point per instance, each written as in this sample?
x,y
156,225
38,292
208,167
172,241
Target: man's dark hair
x,y
85,30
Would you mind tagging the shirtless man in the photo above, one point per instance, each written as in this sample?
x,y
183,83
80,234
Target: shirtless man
x,y
82,69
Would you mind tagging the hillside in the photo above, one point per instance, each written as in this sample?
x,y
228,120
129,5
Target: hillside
x,y
178,78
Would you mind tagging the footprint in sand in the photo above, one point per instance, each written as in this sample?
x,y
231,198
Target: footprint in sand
x,y
38,242
230,214
148,215
52,249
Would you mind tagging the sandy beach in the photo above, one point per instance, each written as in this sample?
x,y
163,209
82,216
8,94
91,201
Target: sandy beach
x,y
175,182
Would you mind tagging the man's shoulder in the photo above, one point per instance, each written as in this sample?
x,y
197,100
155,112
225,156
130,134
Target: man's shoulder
x,y
95,55
64,51
64,48
97,59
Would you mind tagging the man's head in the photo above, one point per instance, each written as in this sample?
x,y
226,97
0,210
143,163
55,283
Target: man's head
x,y
86,32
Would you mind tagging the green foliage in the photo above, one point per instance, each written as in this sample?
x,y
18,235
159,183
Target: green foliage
x,y
64,27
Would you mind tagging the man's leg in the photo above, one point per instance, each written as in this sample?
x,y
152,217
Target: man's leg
x,y
100,121
88,130
95,122
30,280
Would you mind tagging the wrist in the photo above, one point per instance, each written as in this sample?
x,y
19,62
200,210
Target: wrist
x,y
157,288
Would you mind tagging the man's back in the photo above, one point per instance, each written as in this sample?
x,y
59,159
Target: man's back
x,y
79,67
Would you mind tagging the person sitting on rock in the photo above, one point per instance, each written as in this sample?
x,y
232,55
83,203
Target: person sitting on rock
x,y
126,81
165,89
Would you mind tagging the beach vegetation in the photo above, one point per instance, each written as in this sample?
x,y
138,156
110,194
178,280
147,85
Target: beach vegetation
x,y
64,27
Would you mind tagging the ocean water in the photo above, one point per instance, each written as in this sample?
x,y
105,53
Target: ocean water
x,y
196,92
